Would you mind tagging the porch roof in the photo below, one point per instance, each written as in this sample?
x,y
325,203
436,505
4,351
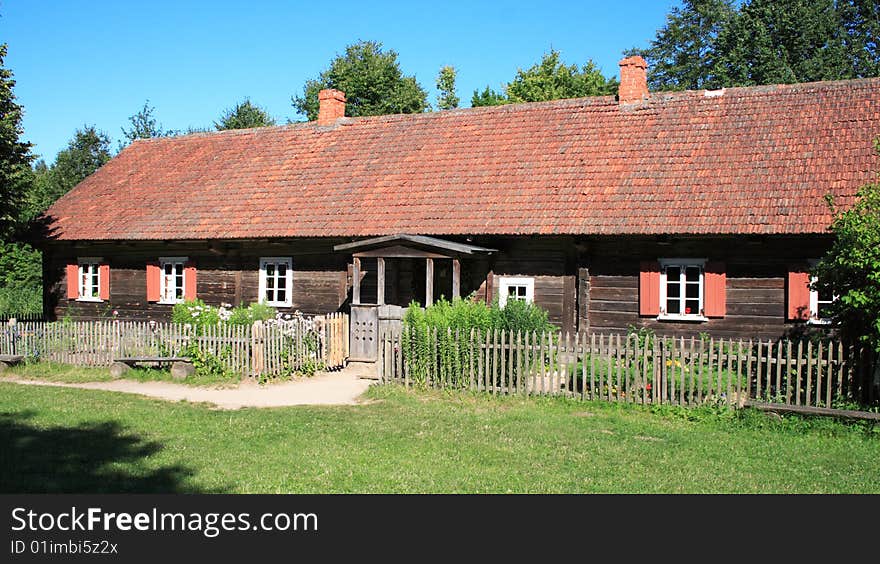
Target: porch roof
x,y
430,246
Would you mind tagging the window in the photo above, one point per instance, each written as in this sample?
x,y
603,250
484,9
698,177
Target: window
x,y
681,289
276,281
171,280
515,289
820,304
89,280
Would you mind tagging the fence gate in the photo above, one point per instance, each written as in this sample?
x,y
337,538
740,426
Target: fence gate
x,y
364,333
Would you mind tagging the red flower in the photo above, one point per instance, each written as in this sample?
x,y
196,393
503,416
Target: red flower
x,y
647,386
687,310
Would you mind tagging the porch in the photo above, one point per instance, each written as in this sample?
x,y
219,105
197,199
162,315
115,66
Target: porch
x,y
390,272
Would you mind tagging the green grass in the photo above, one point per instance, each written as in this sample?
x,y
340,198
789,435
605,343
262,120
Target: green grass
x,y
66,373
61,439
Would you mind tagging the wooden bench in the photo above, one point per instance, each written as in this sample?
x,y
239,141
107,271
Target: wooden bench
x,y
181,367
7,360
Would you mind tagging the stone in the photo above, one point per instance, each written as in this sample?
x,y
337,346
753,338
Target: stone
x,y
182,370
118,369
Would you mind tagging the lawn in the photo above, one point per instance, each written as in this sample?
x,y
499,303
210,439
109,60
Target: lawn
x,y
70,374
69,440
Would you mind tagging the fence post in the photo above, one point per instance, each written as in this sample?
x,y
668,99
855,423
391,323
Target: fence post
x,y
258,340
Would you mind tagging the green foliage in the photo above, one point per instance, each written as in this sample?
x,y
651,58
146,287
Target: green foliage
x,y
143,126
645,335
21,300
683,55
447,99
244,115
372,81
851,268
438,337
195,313
487,97
198,314
86,152
242,315
208,365
550,79
715,43
15,155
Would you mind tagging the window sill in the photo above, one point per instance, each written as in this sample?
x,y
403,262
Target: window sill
x,y
161,302
819,322
683,318
279,304
93,300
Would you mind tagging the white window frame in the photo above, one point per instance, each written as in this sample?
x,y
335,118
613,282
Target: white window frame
x,y
288,283
82,294
505,282
162,289
814,305
683,263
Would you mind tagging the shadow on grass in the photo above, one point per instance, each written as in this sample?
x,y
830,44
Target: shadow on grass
x,y
89,458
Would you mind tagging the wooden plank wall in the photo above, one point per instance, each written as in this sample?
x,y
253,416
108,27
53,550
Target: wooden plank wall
x,y
225,274
756,277
585,284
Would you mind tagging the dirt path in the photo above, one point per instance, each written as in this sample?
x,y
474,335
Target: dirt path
x,y
333,388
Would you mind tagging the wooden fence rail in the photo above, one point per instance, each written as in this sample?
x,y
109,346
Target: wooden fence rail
x,y
270,349
675,371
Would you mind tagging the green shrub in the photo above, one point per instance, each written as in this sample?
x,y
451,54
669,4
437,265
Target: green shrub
x,y
453,322
21,300
248,315
195,313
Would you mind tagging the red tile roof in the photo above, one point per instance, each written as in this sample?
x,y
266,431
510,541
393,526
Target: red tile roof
x,y
748,160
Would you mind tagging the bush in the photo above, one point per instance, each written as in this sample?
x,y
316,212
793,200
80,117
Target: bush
x,y
21,300
851,267
198,314
424,355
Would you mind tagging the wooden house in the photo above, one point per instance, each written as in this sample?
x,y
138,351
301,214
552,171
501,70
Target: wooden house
x,y
686,212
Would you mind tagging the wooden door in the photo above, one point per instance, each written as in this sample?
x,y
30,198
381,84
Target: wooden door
x,y
364,339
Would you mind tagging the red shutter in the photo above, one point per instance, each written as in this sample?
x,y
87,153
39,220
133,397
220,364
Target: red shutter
x,y
649,288
189,281
715,290
798,295
154,275
72,281
104,281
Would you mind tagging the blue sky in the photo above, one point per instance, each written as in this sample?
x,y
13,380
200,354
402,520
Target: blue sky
x,y
95,62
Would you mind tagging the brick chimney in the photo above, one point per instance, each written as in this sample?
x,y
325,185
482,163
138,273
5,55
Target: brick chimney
x,y
331,106
633,80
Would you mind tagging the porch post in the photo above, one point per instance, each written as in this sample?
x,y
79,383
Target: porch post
x,y
380,281
429,282
356,281
456,279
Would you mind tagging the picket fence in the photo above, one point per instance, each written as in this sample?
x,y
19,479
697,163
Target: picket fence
x,y
820,376
263,349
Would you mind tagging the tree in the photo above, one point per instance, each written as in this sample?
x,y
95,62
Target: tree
x,y
447,99
244,115
15,155
85,153
372,81
682,56
550,79
488,97
715,43
851,268
791,41
143,126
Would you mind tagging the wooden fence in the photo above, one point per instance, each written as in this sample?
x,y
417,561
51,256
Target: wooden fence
x,y
269,349
824,375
